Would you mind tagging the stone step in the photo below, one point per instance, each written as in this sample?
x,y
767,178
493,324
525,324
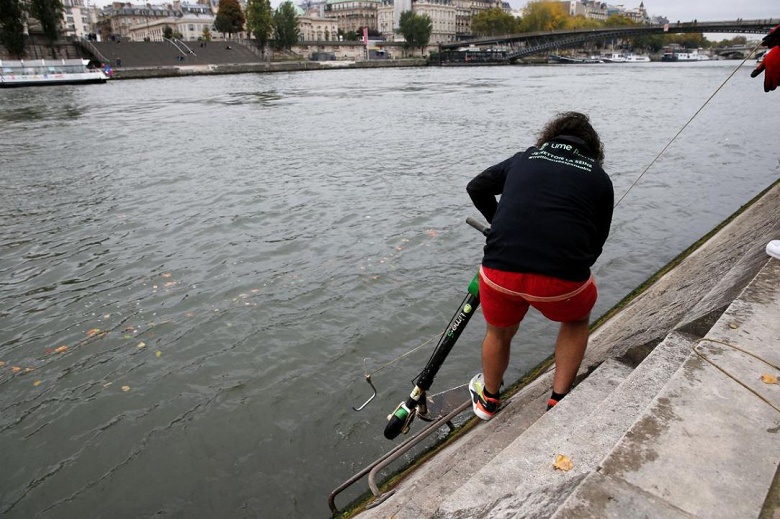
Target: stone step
x,y
708,445
421,493
522,481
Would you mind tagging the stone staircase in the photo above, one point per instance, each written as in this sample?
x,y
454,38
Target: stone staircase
x,y
678,426
165,54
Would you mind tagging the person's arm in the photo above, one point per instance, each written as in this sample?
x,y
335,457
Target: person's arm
x,y
772,38
485,187
770,65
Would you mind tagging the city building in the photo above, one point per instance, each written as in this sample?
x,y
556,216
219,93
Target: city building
x,y
313,26
122,16
353,15
75,19
467,9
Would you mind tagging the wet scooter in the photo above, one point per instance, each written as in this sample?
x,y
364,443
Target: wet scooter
x,y
400,420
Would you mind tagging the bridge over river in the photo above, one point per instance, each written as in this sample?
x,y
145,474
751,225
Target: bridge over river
x,y
527,44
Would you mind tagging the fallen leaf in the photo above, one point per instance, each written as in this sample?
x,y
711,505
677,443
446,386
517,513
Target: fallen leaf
x,y
158,354
37,383
563,463
733,326
2,363
166,274
769,379
142,345
16,369
169,283
61,349
93,331
125,388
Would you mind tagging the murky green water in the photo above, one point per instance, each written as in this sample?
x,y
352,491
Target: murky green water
x,y
193,270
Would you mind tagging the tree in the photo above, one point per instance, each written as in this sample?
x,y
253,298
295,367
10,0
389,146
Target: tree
x,y
494,22
230,19
416,29
12,18
167,32
49,14
260,20
618,20
206,34
543,16
286,26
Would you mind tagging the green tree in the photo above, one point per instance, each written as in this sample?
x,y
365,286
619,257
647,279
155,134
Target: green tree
x,y
49,14
260,20
206,34
618,20
493,22
230,19
167,32
12,18
416,29
286,26
580,22
689,40
541,16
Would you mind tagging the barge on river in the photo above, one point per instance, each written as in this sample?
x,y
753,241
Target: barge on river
x,y
41,72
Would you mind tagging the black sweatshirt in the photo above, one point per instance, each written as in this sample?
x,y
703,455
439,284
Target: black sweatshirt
x,y
554,213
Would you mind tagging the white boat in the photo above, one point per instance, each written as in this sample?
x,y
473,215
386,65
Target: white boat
x,y
678,56
613,58
625,58
556,58
637,58
42,72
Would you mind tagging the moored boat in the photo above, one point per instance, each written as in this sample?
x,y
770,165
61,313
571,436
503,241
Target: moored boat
x,y
556,58
42,72
637,58
683,56
613,58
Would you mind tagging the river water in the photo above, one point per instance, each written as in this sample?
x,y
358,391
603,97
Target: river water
x,y
193,270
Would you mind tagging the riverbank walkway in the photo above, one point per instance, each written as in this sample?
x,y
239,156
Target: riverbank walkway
x,y
676,415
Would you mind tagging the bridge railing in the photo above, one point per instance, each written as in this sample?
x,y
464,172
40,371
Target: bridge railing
x,y
537,42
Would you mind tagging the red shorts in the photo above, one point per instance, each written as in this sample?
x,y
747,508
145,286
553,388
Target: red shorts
x,y
506,296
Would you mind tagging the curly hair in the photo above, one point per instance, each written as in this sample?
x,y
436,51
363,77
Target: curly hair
x,y
575,124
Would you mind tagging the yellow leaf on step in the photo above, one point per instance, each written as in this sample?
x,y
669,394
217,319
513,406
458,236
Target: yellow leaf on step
x,y
769,379
562,462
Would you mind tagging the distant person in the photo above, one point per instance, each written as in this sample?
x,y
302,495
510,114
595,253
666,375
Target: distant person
x,y
119,62
547,230
770,64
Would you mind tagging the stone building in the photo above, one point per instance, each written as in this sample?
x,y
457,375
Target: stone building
x,y
76,19
122,16
451,18
313,26
353,15
467,9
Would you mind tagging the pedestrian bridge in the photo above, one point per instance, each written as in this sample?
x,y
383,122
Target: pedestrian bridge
x,y
528,44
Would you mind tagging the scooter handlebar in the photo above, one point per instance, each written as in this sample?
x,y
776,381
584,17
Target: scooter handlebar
x,y
481,227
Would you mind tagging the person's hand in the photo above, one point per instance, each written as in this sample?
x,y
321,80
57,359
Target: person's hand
x,y
772,38
770,65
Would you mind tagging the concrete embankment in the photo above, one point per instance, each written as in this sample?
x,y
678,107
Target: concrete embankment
x,y
265,67
676,413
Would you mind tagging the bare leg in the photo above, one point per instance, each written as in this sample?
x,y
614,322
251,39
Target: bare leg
x,y
569,351
495,355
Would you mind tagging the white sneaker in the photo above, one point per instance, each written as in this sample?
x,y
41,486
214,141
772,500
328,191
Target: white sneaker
x,y
773,248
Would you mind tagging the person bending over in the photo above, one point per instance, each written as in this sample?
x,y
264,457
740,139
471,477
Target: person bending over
x,y
547,230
